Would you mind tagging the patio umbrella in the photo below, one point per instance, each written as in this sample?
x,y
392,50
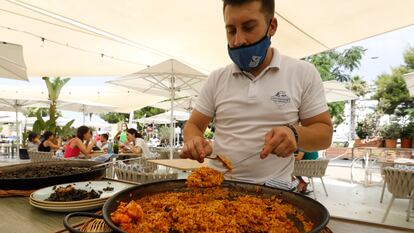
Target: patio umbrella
x,y
336,91
11,61
85,107
170,78
17,105
409,80
184,104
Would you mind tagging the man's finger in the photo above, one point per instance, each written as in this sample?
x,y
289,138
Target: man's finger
x,y
271,145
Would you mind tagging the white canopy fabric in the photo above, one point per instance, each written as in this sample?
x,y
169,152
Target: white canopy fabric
x,y
85,107
164,118
170,78
184,104
141,32
409,80
336,91
125,100
11,62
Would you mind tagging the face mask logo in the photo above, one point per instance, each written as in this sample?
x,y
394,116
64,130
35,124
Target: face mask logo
x,y
250,56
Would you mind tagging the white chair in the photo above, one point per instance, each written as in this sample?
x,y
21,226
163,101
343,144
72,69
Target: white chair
x,y
400,183
310,169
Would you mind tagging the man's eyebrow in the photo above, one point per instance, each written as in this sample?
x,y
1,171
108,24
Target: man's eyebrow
x,y
244,23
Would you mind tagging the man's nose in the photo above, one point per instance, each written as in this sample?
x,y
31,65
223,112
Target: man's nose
x,y
240,39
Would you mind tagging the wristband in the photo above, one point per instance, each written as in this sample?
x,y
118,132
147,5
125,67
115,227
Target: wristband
x,y
295,133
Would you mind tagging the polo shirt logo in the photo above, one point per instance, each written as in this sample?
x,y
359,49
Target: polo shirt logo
x,y
255,61
280,98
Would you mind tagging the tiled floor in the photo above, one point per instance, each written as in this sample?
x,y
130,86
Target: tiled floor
x,y
359,202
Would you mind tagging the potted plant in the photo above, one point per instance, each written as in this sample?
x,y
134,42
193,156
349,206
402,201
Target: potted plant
x,y
406,135
390,133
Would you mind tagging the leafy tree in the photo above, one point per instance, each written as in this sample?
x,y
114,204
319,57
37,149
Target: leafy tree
x,y
335,65
147,112
54,87
359,87
114,117
392,93
32,112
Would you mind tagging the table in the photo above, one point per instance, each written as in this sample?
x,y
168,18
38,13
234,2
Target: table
x,y
180,164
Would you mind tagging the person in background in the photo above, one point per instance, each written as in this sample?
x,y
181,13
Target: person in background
x,y
302,186
103,143
34,141
49,143
154,140
137,144
121,136
83,142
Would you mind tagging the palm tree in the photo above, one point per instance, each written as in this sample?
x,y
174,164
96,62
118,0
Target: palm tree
x,y
54,87
359,87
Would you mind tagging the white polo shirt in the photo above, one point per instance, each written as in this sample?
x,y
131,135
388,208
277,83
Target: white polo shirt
x,y
245,108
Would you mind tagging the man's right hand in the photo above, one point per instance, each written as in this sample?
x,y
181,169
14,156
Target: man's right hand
x,y
197,148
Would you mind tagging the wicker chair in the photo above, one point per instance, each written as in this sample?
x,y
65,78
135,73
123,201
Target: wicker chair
x,y
38,156
401,184
310,169
141,171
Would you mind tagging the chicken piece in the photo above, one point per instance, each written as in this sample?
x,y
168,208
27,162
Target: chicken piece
x,y
135,211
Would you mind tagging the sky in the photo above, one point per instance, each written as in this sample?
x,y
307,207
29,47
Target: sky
x,y
383,52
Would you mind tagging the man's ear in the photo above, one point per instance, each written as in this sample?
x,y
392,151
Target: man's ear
x,y
273,26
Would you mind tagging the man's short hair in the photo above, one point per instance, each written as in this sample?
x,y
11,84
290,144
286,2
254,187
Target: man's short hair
x,y
268,6
105,135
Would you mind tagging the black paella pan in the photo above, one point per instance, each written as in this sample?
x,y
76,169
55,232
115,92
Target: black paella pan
x,y
312,209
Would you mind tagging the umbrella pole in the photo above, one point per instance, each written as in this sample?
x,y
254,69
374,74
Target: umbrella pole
x,y
172,117
17,135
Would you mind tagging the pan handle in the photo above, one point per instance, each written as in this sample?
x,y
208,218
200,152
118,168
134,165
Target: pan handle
x,y
78,214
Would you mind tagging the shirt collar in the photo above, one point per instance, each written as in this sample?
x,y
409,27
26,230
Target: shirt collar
x,y
274,63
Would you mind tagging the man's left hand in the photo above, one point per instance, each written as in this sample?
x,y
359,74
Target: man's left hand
x,y
279,141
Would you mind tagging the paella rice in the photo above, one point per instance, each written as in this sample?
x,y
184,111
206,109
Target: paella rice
x,y
207,210
213,209
205,177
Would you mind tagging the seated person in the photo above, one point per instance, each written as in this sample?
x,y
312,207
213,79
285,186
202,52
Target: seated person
x,y
302,186
34,141
49,142
136,144
83,142
155,141
103,143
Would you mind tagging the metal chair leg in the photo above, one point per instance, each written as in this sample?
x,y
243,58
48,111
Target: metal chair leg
x,y
388,209
323,184
409,210
313,187
382,193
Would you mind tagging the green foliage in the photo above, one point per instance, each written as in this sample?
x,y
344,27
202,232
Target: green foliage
x,y
164,133
208,134
1,128
335,65
358,86
367,127
32,112
392,93
54,87
391,131
336,110
147,112
114,117
408,131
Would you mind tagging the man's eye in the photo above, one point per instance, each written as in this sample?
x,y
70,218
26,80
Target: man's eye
x,y
248,29
231,31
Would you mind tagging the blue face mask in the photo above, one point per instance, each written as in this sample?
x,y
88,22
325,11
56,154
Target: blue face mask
x,y
250,56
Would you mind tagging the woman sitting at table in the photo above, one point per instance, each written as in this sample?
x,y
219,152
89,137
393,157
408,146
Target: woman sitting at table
x,y
48,143
83,142
34,141
136,144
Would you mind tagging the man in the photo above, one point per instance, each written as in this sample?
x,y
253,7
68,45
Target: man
x,y
103,143
258,102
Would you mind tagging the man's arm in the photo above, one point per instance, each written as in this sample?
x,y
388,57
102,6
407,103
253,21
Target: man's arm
x,y
315,133
195,146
